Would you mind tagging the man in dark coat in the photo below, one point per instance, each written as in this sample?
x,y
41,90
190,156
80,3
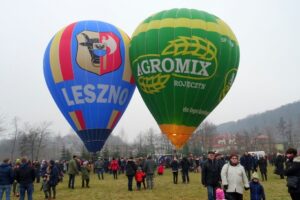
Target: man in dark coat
x,y
175,168
185,165
211,175
262,165
130,172
6,178
25,176
293,171
247,162
54,178
279,165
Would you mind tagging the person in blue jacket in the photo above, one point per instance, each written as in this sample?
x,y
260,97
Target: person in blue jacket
x,y
6,178
53,178
256,189
175,169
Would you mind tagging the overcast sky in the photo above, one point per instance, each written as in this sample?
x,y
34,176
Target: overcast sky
x,y
268,33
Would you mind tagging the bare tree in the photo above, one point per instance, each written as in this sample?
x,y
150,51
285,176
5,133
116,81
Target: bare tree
x,y
31,140
268,131
16,131
150,141
23,143
208,130
42,132
141,145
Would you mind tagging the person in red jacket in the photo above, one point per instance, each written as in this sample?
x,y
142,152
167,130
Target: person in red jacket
x,y
114,166
160,169
139,176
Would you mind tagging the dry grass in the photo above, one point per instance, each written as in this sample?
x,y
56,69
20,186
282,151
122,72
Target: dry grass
x,y
163,189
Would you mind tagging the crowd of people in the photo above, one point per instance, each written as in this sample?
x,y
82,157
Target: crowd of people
x,y
225,177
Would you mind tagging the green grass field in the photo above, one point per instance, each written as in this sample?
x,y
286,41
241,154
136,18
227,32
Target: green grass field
x,y
164,188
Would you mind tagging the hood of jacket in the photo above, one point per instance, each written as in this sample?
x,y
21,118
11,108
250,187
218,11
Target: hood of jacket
x,y
5,166
297,159
24,165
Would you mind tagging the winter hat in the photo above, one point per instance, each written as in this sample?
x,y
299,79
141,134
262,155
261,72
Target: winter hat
x,y
255,176
85,162
233,155
211,152
18,161
139,168
220,193
291,151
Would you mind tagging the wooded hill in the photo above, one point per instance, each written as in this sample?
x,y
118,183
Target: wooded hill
x,y
287,116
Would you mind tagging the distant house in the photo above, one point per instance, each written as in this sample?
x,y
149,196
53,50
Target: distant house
x,y
224,142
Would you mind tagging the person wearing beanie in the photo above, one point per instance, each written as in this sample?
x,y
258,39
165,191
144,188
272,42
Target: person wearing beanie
x,y
85,174
292,172
234,179
16,186
257,191
139,175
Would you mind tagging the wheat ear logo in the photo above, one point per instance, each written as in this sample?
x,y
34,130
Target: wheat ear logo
x,y
192,58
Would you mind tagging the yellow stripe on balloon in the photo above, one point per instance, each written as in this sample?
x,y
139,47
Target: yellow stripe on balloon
x,y
177,134
112,119
54,58
75,120
219,27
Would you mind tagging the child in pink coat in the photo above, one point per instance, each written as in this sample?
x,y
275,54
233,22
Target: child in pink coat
x,y
220,194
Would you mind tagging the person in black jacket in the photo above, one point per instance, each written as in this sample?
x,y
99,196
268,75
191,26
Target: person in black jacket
x,y
263,165
25,176
6,178
211,175
247,162
130,172
185,166
279,165
175,168
292,171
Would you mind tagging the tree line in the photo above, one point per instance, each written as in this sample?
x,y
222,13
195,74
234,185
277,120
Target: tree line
x,y
39,141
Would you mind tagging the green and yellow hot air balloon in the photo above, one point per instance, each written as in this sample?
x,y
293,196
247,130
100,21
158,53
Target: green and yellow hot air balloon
x,y
184,62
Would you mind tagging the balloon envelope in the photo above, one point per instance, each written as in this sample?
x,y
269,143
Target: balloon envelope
x,y
87,71
184,62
